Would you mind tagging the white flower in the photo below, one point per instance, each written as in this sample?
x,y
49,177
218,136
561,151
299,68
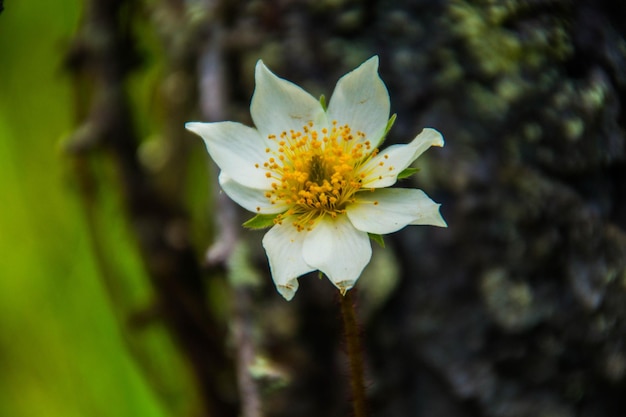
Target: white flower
x,y
320,173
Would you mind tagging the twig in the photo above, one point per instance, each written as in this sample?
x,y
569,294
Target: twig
x,y
212,103
246,353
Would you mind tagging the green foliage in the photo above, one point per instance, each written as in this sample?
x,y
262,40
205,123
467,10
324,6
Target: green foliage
x,y
65,301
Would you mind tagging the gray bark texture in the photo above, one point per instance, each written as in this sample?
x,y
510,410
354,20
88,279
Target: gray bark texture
x,y
518,308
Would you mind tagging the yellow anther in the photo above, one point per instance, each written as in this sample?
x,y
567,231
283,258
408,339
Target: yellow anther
x,y
317,174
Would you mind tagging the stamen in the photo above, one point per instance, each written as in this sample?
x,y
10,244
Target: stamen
x,y
317,173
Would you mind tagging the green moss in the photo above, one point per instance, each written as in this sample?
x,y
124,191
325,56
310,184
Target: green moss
x,y
573,128
511,303
496,48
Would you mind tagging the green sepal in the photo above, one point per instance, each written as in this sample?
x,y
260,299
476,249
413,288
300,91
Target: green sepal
x,y
323,102
377,238
390,123
320,274
407,172
260,221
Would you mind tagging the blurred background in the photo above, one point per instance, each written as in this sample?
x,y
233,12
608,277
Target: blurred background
x,y
127,286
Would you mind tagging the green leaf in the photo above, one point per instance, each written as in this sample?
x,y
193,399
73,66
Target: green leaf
x,y
323,102
260,221
377,238
407,172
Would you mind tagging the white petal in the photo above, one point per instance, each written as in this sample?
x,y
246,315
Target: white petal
x,y
236,149
283,245
279,105
389,210
339,250
382,170
251,199
361,100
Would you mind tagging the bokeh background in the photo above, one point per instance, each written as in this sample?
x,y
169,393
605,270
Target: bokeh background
x,y
127,286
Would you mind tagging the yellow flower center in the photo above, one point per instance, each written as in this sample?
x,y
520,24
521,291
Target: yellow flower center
x,y
316,173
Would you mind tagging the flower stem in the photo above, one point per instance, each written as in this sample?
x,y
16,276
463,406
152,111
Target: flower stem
x,y
355,354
